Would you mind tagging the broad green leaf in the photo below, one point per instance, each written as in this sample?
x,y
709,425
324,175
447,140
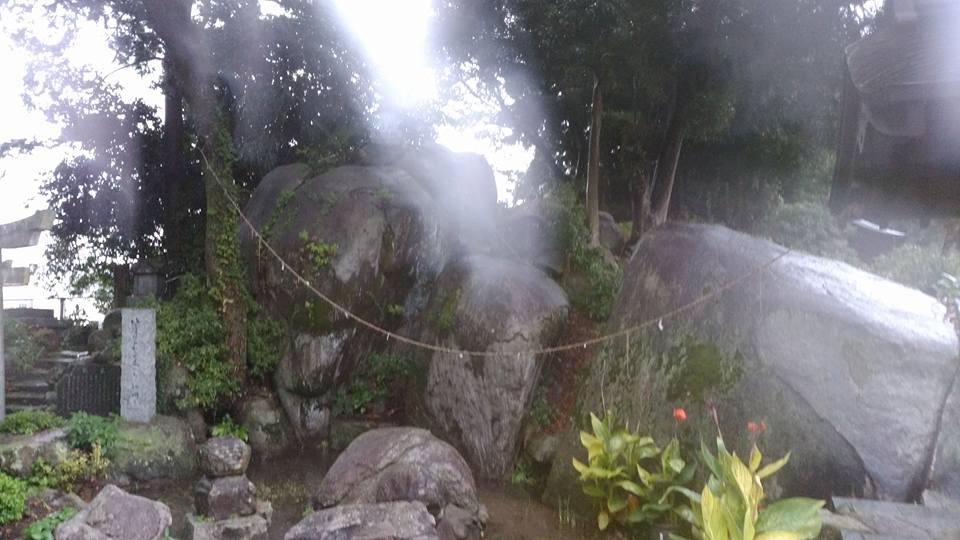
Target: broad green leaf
x,y
693,496
594,491
645,477
755,458
714,527
580,467
603,520
616,502
744,479
773,467
781,535
632,487
677,465
687,514
599,428
799,515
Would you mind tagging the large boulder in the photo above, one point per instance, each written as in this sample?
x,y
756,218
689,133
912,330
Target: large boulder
x,y
364,236
399,464
224,456
163,449
483,303
402,520
850,371
115,514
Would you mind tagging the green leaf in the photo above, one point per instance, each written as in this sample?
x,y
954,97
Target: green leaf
x,y
755,458
688,493
603,520
599,428
616,502
799,515
594,491
632,487
714,527
773,467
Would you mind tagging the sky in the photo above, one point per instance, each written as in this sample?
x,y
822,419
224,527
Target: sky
x,y
392,33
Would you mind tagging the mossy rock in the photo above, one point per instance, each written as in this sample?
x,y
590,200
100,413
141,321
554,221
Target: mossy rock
x,y
18,452
162,449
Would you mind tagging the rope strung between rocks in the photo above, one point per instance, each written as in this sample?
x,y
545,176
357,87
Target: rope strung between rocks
x,y
286,267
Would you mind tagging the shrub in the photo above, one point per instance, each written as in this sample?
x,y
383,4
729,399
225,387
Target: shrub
x,y
371,382
30,421
22,346
13,495
85,432
191,333
593,281
732,506
266,343
228,428
920,267
43,529
74,469
808,227
637,484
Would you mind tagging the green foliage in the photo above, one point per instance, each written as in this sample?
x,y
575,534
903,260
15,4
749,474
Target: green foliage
x,y
266,344
21,346
13,495
75,468
30,421
593,280
86,432
228,428
540,411
279,213
730,506
371,383
317,253
637,484
43,529
809,227
446,316
522,476
191,333
918,266
700,371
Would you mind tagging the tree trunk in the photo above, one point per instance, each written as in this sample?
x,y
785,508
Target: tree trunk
x,y
640,203
185,48
593,165
666,173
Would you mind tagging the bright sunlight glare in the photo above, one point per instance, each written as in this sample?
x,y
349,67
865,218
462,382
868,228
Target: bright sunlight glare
x,y
393,35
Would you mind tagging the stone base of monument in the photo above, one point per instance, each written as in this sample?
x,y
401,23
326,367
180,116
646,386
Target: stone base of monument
x,y
253,527
225,500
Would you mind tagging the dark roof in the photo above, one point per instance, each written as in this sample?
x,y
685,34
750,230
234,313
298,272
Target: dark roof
x,y
908,61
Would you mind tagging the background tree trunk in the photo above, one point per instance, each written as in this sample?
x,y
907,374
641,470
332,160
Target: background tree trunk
x,y
190,66
593,165
666,176
640,204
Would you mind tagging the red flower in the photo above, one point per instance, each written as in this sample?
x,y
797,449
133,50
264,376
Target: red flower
x,y
755,428
680,415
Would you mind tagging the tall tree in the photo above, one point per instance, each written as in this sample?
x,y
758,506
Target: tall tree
x,y
242,93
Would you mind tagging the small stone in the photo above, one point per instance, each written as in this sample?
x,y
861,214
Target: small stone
x,y
400,520
221,498
253,527
542,448
458,524
224,456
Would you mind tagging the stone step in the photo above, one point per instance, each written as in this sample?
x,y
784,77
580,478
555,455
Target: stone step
x,y
27,398
880,519
28,385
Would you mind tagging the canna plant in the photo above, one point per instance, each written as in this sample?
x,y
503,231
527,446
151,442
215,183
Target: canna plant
x,y
730,507
637,484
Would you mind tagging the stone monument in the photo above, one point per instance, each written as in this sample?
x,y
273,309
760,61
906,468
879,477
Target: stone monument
x,y
138,375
